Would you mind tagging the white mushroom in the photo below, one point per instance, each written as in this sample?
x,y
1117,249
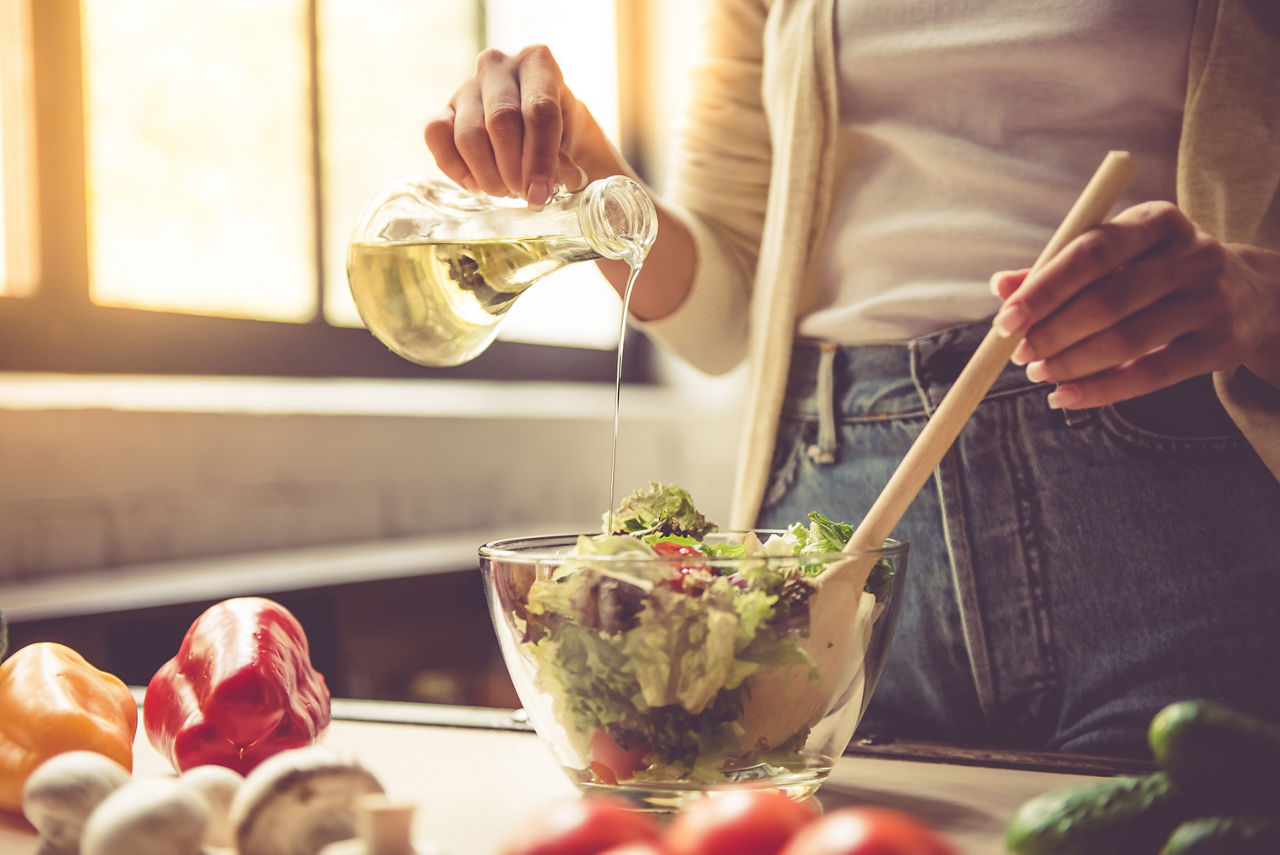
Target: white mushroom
x,y
299,801
61,793
218,786
151,816
385,828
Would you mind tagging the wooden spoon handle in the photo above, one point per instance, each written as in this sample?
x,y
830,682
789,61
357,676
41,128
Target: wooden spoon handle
x,y
924,455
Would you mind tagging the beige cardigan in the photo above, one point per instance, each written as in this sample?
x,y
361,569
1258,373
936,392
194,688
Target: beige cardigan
x,y
754,183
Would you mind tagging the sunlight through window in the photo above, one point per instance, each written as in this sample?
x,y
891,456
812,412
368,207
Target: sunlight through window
x,y
385,67
17,214
575,305
198,135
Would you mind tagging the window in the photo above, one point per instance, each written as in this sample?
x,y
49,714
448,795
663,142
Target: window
x,y
17,219
178,188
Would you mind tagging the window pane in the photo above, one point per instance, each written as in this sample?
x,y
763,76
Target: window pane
x,y
199,157
385,67
575,305
17,214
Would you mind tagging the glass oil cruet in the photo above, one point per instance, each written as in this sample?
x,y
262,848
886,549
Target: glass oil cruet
x,y
434,269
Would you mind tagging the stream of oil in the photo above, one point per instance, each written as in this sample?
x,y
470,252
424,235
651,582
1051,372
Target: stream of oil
x,y
617,386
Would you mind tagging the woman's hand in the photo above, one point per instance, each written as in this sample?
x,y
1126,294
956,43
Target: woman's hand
x,y
1140,303
515,129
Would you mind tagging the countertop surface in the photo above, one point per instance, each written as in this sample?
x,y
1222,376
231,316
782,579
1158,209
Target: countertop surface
x,y
477,775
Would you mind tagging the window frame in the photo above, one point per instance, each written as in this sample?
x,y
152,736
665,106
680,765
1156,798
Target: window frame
x,y
58,328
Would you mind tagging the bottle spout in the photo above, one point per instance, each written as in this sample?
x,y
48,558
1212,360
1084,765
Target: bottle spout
x,y
618,219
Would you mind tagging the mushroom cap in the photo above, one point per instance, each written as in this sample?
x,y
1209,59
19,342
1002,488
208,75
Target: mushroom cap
x,y
63,791
299,801
151,816
218,786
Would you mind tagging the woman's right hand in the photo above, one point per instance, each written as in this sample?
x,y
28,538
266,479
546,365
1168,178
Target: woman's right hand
x,y
515,129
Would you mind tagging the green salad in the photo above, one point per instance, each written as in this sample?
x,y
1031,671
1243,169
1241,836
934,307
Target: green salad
x,y
647,662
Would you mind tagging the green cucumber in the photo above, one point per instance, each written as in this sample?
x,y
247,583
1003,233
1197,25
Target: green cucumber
x,y
1225,835
1228,759
1124,815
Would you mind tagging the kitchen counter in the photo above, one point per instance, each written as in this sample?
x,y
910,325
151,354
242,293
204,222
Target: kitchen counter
x,y
477,774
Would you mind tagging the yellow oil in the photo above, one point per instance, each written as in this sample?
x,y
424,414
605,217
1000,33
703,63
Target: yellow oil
x,y
440,303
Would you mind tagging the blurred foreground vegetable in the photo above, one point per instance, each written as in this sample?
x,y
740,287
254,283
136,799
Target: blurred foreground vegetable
x,y
1216,791
240,689
51,701
732,821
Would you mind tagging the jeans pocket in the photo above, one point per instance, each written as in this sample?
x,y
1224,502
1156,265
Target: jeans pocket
x,y
1185,417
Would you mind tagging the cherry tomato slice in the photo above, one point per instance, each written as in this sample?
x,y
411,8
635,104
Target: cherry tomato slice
x,y
610,761
671,549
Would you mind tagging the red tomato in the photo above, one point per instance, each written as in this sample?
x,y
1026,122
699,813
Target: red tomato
x,y
737,822
609,760
867,831
581,826
644,848
671,549
674,550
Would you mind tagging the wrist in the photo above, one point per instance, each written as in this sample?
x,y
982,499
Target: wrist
x,y
1263,271
594,151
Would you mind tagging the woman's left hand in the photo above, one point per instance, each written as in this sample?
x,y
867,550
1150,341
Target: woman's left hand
x,y
1140,303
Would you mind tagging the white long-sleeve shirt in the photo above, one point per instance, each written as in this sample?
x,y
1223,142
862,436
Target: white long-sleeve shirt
x,y
964,131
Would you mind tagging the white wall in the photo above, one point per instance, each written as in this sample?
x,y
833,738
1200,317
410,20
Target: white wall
x,y
100,474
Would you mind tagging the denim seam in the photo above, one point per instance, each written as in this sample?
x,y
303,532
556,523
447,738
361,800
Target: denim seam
x,y
782,477
960,559
916,379
1028,514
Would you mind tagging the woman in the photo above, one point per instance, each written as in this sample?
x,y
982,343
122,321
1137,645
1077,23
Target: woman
x,y
1102,538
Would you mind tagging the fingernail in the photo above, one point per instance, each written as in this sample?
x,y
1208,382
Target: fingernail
x,y
538,193
1022,354
469,184
1036,372
583,180
1012,319
1064,398
994,283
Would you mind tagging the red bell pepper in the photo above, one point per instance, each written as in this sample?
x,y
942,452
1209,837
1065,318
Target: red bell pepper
x,y
240,689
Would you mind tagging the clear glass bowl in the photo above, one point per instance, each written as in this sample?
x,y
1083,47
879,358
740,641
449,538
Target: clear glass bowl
x,y
660,678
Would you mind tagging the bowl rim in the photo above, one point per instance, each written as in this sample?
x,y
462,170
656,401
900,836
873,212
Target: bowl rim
x,y
507,549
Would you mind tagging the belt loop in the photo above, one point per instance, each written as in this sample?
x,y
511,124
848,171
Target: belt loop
x,y
824,450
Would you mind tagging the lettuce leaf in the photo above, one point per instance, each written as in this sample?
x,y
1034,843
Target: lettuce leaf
x,y
662,508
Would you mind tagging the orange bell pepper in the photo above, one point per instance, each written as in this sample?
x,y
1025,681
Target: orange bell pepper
x,y
51,701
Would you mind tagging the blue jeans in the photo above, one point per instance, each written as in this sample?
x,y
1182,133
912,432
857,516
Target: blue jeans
x,y
1068,574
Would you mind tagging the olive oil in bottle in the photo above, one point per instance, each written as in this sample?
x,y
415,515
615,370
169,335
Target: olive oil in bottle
x,y
433,270
442,302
